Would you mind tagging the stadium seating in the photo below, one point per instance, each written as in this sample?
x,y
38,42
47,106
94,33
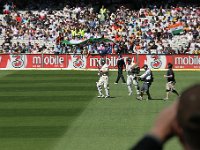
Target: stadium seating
x,y
123,26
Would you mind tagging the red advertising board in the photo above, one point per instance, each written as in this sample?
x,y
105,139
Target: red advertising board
x,y
46,61
12,61
186,61
54,61
155,61
34,61
4,58
76,61
91,61
111,60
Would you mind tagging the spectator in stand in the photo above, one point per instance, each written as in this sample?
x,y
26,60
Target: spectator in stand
x,y
195,33
7,8
159,48
121,25
168,50
152,47
196,50
101,49
137,48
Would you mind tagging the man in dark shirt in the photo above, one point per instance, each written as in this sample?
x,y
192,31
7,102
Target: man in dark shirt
x,y
120,65
170,85
181,119
168,49
195,33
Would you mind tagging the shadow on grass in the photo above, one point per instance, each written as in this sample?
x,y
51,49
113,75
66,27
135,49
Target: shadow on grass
x,y
156,99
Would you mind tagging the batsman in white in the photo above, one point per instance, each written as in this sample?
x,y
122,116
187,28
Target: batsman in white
x,y
132,71
103,80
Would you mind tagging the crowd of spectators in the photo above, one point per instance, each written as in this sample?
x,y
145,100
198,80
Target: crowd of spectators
x,y
144,31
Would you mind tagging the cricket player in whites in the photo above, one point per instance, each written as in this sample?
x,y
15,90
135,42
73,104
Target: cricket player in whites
x,y
132,71
103,80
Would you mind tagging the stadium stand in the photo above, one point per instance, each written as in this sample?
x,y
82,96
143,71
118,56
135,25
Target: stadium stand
x,y
156,30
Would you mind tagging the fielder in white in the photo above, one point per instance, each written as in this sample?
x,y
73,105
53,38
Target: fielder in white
x,y
103,80
132,71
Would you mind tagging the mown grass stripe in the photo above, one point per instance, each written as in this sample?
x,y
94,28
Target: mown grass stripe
x,y
43,107
55,81
53,72
39,112
68,94
11,85
32,131
39,75
48,78
36,121
45,98
32,89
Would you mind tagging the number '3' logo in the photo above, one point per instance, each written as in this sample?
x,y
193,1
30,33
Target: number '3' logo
x,y
18,61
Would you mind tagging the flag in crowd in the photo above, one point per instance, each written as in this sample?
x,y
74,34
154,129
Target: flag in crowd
x,y
176,28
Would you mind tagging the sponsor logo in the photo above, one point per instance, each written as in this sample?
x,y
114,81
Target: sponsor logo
x,y
157,63
78,62
110,61
188,60
94,62
37,60
17,61
48,60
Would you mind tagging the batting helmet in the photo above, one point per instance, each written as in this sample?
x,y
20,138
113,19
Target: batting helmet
x,y
129,59
169,65
103,61
145,66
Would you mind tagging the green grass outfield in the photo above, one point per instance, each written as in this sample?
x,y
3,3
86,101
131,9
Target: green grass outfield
x,y
58,110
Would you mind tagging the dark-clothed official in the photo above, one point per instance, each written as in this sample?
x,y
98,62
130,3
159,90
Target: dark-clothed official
x,y
120,65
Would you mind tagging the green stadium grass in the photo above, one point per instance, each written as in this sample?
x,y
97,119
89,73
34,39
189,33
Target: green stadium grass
x,y
58,110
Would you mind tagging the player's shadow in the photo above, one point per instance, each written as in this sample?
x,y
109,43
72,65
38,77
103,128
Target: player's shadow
x,y
156,99
112,97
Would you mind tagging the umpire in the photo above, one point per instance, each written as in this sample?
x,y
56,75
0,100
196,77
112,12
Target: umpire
x,y
120,65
